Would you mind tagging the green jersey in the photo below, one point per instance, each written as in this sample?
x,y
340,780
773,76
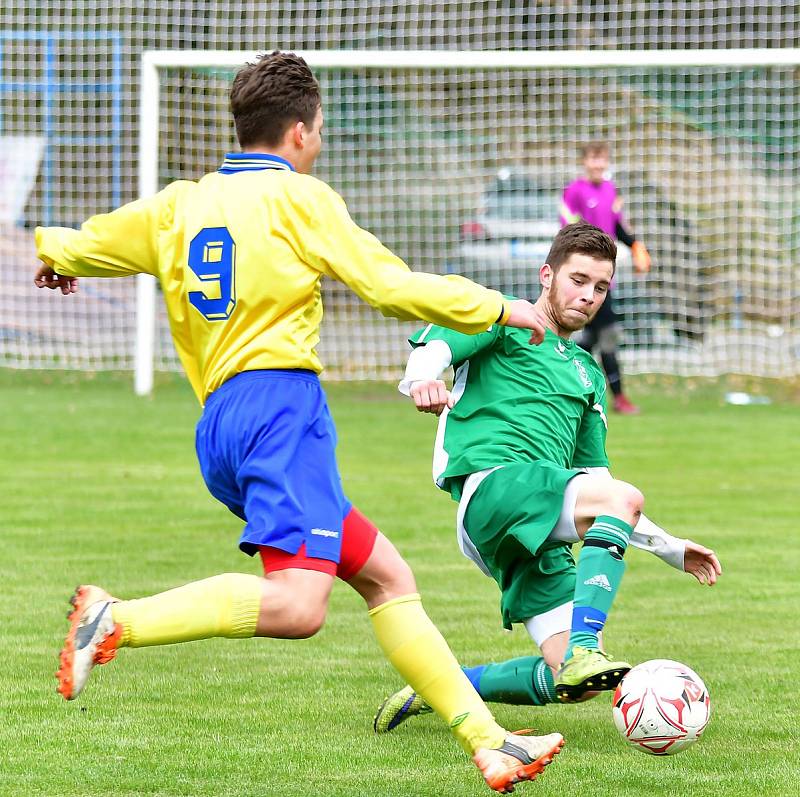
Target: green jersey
x,y
516,402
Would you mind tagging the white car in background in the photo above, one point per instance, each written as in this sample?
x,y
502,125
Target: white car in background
x,y
509,237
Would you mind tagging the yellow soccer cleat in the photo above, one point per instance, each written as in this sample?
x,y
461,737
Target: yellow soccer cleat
x,y
588,671
397,708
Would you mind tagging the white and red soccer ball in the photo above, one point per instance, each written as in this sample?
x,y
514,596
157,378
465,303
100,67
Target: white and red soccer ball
x,y
661,707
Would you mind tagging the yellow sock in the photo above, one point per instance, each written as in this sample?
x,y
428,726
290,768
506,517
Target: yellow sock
x,y
222,606
419,653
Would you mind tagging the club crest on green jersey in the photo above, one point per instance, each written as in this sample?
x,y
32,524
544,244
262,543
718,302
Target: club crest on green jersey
x,y
582,375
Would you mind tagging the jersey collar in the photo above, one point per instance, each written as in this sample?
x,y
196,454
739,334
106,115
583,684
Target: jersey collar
x,y
236,162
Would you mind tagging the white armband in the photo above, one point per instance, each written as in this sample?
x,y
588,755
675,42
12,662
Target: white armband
x,y
425,364
649,537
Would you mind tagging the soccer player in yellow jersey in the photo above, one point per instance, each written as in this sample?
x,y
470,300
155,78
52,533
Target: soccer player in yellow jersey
x,y
239,256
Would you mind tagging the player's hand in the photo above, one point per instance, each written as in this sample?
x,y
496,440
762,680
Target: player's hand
x,y
641,257
431,396
526,316
702,563
47,278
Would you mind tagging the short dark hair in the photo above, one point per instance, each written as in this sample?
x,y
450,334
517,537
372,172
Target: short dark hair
x,y
582,239
595,148
277,91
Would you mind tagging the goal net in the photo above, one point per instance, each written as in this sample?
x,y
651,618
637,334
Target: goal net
x,y
457,162
455,159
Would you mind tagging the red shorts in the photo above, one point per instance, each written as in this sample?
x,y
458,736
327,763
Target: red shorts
x,y
358,540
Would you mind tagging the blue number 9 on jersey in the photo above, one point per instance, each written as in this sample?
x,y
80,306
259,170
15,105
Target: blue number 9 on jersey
x,y
212,257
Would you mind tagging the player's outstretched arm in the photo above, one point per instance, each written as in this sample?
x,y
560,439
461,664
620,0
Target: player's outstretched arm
x,y
116,244
684,555
331,242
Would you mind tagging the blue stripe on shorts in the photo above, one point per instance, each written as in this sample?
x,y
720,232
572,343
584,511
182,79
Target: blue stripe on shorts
x,y
266,445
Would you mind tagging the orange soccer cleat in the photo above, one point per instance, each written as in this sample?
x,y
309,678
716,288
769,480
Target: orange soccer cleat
x,y
92,639
520,758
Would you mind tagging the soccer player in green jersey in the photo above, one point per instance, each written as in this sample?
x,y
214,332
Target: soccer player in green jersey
x,y
521,447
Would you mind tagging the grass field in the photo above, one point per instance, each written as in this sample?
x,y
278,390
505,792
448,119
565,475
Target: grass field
x,y
99,486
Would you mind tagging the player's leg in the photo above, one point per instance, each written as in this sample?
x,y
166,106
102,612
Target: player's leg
x,y
497,511
289,605
601,511
266,449
523,681
607,346
606,511
529,680
420,654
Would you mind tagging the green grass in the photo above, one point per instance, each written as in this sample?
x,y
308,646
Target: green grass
x,y
99,486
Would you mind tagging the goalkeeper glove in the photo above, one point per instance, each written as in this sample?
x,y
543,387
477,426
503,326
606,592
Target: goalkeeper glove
x,y
641,257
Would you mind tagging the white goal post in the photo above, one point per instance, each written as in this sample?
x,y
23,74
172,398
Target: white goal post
x,y
153,62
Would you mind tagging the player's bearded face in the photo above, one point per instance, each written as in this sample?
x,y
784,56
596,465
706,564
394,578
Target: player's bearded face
x,y
578,290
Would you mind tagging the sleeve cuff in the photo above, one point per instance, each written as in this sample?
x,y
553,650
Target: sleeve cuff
x,y
505,314
39,235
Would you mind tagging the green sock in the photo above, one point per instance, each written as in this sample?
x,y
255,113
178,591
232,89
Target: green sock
x,y
526,681
599,574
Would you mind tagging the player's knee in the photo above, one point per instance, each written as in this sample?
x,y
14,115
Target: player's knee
x,y
307,621
304,613
393,579
385,576
632,501
625,502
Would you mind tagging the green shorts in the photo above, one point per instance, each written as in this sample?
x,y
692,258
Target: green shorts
x,y
509,519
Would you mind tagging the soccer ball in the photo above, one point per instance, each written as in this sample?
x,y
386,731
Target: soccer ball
x,y
661,707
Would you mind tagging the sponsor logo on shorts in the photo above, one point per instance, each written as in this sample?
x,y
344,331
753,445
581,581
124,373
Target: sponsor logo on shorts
x,y
598,581
325,533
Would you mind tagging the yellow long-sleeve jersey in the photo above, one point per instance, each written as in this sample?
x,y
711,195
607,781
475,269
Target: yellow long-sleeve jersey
x,y
240,254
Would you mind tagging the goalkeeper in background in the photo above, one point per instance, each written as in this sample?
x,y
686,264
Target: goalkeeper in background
x,y
594,199
240,255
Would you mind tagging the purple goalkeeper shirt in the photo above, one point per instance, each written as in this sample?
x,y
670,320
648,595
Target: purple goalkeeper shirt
x,y
591,202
